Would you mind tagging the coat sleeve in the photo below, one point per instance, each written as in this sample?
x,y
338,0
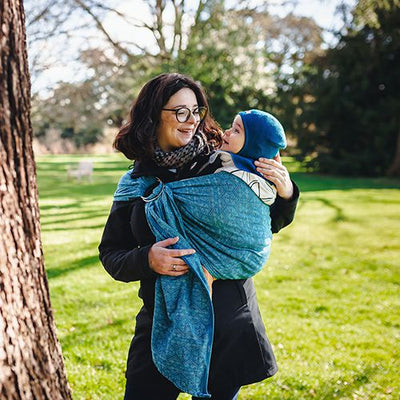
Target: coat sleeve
x,y
119,251
282,211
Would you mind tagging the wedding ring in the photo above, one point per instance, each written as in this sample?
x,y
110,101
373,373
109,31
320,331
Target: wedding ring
x,y
173,267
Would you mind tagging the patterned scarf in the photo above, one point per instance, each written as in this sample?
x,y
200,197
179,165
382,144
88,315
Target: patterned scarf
x,y
180,156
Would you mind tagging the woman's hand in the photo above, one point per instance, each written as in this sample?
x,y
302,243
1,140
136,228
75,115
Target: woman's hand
x,y
274,171
167,261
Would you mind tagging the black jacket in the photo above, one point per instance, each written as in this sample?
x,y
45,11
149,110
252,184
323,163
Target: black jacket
x,y
241,351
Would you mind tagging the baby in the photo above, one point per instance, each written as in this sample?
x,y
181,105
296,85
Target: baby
x,y
253,134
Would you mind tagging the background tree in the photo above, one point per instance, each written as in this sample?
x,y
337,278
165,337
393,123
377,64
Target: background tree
x,y
293,43
232,50
31,364
351,124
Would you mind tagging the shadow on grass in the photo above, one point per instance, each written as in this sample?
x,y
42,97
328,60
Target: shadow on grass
x,y
80,332
51,212
79,215
66,268
50,189
339,214
61,207
75,228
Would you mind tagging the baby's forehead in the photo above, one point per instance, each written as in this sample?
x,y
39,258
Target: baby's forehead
x,y
238,120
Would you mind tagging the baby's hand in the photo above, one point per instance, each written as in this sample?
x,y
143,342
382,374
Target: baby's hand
x,y
274,171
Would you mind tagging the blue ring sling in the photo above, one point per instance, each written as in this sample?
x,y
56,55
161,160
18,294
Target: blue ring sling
x,y
230,228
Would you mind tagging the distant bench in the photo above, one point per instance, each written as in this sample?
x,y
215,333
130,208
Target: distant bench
x,y
84,169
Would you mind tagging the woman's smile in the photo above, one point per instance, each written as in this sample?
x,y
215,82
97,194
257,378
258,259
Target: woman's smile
x,y
186,131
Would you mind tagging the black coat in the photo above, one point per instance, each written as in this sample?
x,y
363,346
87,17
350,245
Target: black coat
x,y
241,351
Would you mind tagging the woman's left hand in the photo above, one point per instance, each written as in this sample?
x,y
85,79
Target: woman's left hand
x,y
274,171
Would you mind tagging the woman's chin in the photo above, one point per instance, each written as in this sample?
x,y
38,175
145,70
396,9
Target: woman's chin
x,y
184,140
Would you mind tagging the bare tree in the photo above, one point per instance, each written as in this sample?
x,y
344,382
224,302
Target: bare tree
x,y
31,363
168,18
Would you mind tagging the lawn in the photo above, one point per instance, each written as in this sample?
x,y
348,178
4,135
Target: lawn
x,y
329,295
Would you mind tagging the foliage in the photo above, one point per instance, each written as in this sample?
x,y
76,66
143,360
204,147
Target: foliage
x,y
297,42
234,51
222,55
73,110
340,105
328,294
350,122
248,57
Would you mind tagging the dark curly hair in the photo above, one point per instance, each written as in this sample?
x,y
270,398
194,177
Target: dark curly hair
x,y
138,138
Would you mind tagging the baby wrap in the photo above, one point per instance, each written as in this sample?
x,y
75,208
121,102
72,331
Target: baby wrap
x,y
230,228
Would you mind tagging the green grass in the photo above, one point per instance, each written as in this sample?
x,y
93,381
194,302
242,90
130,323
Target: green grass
x,y
329,295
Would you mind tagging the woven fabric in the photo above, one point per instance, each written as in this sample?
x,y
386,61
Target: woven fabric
x,y
263,188
230,228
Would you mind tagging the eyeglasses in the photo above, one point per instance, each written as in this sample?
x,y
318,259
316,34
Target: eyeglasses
x,y
183,114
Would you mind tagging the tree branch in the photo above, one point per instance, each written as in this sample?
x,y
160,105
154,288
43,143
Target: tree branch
x,y
102,29
159,25
179,9
39,16
136,23
200,9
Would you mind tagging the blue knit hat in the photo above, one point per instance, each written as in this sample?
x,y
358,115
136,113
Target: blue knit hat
x,y
264,137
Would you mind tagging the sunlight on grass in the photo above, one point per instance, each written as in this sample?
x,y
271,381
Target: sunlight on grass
x,y
329,295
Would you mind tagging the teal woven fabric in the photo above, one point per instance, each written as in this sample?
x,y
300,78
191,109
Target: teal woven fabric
x,y
230,228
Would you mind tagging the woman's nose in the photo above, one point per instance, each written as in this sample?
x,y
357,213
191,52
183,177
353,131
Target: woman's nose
x,y
192,119
227,132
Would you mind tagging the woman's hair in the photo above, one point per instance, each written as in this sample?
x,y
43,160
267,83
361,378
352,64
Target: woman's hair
x,y
137,139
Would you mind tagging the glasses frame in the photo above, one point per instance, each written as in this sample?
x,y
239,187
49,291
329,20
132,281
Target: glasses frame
x,y
176,110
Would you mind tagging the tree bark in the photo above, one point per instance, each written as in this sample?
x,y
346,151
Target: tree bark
x,y
31,363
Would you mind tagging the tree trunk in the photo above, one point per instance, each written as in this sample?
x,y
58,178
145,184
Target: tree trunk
x,y
31,363
394,169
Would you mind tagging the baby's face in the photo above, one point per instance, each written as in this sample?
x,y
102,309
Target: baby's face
x,y
233,139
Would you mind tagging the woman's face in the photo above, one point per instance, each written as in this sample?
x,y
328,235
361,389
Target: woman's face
x,y
233,139
171,133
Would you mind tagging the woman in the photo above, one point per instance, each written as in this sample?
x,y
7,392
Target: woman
x,y
171,136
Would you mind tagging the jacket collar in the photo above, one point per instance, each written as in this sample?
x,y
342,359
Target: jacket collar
x,y
150,168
